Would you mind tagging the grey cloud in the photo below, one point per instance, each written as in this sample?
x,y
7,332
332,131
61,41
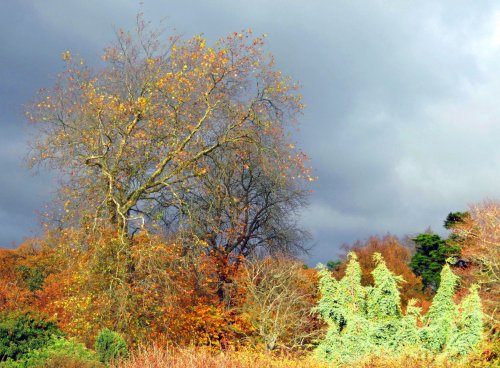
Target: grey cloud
x,y
401,119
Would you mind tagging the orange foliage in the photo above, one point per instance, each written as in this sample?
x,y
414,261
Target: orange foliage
x,y
164,296
22,274
13,295
178,297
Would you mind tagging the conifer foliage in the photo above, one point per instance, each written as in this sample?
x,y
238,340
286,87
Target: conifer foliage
x,y
110,346
368,320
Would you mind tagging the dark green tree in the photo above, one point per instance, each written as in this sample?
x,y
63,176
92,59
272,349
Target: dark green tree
x,y
333,265
430,257
454,218
32,277
22,332
110,346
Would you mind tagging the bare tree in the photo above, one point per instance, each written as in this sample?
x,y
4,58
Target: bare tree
x,y
279,298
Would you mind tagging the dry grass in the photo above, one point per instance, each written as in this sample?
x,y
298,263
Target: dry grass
x,y
157,357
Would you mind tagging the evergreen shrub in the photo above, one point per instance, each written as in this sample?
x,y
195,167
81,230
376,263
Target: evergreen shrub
x,y
22,332
110,346
58,352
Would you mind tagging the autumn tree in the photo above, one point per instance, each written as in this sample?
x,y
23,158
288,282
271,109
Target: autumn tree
x,y
137,131
243,206
13,291
23,274
479,236
170,152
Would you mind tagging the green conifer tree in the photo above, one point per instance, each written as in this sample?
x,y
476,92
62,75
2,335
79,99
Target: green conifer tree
x,y
408,333
442,314
350,286
343,307
384,305
469,329
368,320
430,257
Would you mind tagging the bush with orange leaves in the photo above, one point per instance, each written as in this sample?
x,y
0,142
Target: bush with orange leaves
x,y
23,274
156,292
149,293
179,300
14,294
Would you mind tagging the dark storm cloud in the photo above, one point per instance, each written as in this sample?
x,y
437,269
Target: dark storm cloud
x,y
401,119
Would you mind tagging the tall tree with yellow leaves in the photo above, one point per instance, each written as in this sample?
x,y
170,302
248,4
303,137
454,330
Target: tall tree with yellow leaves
x,y
135,133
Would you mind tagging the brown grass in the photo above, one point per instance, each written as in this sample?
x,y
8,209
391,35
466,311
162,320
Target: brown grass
x,y
157,357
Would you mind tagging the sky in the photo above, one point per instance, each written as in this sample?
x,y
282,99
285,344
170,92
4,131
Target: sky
x,y
402,117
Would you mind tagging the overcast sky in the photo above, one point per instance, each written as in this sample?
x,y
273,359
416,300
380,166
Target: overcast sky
x,y
403,111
